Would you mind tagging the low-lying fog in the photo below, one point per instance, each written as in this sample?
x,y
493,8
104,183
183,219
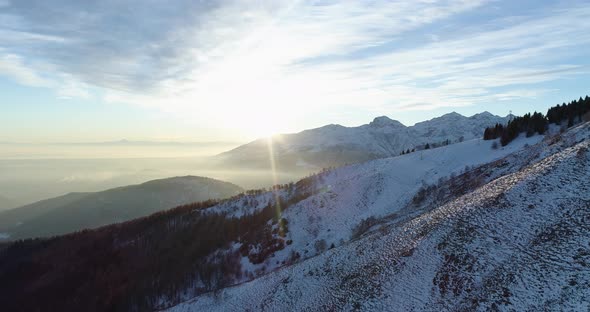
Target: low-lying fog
x,y
31,172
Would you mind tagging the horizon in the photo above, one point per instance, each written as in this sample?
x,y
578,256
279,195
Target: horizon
x,y
120,141
132,149
228,71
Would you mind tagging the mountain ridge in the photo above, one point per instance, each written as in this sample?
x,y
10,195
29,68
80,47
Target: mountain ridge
x,y
335,145
81,210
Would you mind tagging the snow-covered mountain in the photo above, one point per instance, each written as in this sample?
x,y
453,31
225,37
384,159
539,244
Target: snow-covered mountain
x,y
511,234
334,145
453,126
467,226
77,211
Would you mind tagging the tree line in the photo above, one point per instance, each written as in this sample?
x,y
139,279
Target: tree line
x,y
431,145
141,264
565,114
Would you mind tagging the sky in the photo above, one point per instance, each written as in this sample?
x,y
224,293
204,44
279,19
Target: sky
x,y
217,71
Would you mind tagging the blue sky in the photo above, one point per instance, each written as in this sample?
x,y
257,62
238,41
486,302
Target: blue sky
x,y
236,70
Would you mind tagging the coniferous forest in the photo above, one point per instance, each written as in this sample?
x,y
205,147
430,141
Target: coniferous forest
x,y
565,115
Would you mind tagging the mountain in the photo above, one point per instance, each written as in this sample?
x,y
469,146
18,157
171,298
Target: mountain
x,y
77,211
453,126
519,242
334,145
467,226
253,240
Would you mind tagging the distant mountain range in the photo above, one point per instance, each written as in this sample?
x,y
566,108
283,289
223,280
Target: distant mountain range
x,y
334,145
77,211
125,142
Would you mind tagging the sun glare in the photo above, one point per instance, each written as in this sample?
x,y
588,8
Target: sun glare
x,y
264,128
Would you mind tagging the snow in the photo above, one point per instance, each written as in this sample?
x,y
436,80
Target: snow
x,y
519,242
383,137
387,137
243,205
372,189
348,195
380,188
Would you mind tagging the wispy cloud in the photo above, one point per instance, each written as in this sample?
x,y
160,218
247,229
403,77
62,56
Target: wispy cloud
x,y
226,61
13,66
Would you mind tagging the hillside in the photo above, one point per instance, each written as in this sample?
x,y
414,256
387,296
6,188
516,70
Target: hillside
x,y
334,145
201,247
518,243
77,211
325,242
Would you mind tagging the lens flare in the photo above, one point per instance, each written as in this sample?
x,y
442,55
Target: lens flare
x,y
273,172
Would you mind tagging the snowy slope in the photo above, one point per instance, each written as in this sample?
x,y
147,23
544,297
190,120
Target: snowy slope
x,y
333,145
343,198
519,242
379,188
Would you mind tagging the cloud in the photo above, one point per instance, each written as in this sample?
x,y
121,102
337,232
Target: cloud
x,y
12,65
129,45
467,69
230,61
143,45
66,87
72,89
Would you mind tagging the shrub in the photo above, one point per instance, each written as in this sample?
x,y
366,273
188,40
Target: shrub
x,y
320,245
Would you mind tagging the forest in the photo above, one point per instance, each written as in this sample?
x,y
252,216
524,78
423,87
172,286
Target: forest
x,y
565,115
145,263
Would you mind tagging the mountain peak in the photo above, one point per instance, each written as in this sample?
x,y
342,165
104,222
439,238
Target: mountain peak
x,y
384,121
484,113
452,114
